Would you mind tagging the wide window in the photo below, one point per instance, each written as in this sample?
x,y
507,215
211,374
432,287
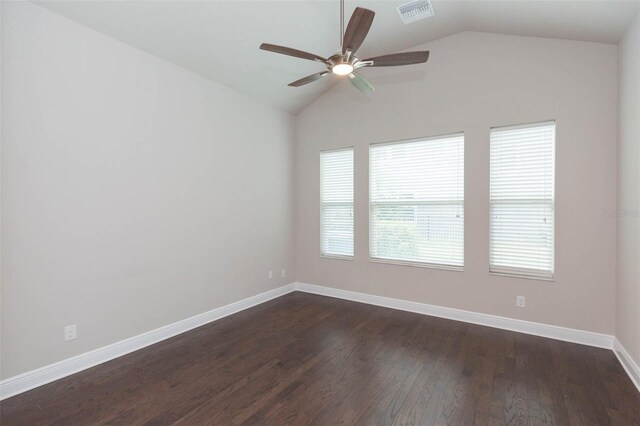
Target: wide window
x,y
417,201
522,200
336,203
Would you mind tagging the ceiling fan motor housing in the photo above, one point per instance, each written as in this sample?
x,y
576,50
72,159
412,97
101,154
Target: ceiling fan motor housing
x,y
339,58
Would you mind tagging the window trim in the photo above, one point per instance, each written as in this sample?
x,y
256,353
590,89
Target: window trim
x,y
427,265
551,278
338,256
329,255
518,272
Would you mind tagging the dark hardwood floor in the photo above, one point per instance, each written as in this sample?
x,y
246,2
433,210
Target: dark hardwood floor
x,y
317,360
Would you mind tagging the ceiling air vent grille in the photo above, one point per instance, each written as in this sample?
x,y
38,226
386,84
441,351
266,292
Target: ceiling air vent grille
x,y
415,11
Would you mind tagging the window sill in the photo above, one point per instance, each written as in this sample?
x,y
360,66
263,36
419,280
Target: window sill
x,y
550,279
336,257
417,264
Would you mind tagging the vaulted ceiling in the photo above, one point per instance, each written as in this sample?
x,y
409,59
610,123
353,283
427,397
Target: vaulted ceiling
x,y
219,39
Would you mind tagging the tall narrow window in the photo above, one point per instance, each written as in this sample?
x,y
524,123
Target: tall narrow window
x,y
336,203
417,201
522,200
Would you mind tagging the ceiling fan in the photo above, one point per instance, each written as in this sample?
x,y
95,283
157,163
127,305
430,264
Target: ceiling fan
x,y
345,62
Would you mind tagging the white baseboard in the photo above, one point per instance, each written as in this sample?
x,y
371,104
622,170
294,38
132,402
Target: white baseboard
x,y
588,338
628,363
41,376
544,330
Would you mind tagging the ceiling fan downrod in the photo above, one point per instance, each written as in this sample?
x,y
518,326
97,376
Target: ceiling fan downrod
x,y
341,22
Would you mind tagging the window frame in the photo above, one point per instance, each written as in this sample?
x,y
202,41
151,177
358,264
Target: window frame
x,y
398,262
518,272
353,204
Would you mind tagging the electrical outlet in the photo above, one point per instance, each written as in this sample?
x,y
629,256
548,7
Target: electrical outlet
x,y
270,275
70,332
283,273
520,301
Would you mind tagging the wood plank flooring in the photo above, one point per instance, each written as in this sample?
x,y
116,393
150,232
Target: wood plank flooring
x,y
306,359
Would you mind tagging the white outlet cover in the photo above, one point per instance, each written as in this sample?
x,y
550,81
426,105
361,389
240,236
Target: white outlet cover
x,y
70,332
270,274
283,273
520,301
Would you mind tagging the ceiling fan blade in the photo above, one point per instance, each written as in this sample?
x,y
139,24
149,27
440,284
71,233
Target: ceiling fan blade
x,y
357,29
361,83
406,58
292,52
308,79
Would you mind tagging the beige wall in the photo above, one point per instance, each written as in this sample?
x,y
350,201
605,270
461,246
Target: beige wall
x,y
134,193
129,190
474,81
628,289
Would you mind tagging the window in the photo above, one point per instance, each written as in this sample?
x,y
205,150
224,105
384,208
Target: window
x,y
336,203
522,200
417,201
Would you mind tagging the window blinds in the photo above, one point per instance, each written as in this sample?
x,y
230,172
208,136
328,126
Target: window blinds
x,y
417,201
336,202
522,200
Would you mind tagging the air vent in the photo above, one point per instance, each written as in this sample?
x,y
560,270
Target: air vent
x,y
415,11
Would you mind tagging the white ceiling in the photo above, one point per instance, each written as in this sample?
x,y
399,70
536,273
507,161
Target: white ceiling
x,y
219,39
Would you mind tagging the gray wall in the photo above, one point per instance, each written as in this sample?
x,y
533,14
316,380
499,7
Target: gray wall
x,y
474,81
628,291
134,193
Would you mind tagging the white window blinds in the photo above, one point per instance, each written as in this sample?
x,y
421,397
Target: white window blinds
x,y
417,201
522,200
336,202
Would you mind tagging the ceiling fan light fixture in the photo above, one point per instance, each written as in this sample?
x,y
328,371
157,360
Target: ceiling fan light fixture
x,y
342,69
